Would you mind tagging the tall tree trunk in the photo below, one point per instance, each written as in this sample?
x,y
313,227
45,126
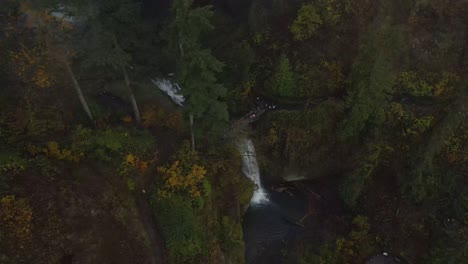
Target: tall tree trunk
x,y
131,95
181,49
78,90
191,132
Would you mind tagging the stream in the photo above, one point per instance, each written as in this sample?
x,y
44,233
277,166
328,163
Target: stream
x,y
271,220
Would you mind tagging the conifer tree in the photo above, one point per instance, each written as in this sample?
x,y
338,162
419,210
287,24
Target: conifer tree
x,y
113,23
196,66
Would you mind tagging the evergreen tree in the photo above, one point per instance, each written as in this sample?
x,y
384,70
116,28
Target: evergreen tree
x,y
196,66
114,22
284,82
372,80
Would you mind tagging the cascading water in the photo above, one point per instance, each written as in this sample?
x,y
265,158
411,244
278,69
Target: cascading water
x,y
171,89
250,169
269,222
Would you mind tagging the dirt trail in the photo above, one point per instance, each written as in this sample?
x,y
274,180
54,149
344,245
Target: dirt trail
x,y
157,244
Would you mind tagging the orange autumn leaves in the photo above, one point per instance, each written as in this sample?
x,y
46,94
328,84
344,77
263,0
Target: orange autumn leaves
x,y
135,162
132,168
176,180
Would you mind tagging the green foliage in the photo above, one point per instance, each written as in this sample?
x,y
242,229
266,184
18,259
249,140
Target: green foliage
x,y
299,133
334,78
111,25
354,184
404,124
131,184
224,169
456,146
307,54
181,227
196,66
11,164
423,182
111,144
307,22
207,189
231,238
325,79
213,223
358,245
372,77
46,167
411,84
333,11
283,81
35,119
108,142
245,192
419,84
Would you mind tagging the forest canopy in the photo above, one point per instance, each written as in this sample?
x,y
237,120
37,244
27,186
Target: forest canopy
x,y
98,165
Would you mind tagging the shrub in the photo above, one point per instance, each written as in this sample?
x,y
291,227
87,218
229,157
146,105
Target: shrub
x,y
181,227
156,117
176,179
10,165
283,82
15,222
307,22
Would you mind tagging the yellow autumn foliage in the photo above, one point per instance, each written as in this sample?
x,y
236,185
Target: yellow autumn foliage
x,y
247,89
445,84
15,219
177,181
272,137
41,78
53,150
455,149
28,67
130,159
134,161
127,119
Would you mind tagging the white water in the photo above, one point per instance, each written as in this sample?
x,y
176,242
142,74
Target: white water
x,y
294,177
171,89
250,169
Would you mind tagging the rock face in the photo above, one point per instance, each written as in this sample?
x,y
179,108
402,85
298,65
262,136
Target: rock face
x,y
251,170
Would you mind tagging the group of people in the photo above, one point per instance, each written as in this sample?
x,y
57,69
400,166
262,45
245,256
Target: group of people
x,y
262,107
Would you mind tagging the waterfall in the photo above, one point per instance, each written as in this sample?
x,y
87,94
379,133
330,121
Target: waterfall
x,y
171,89
250,169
